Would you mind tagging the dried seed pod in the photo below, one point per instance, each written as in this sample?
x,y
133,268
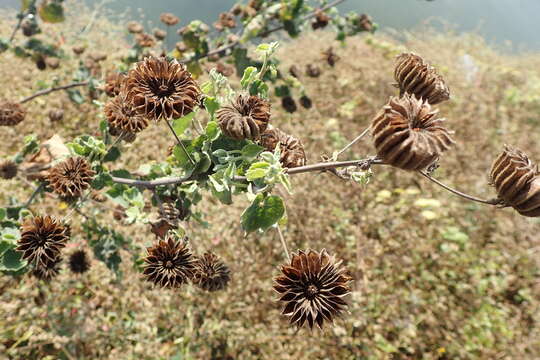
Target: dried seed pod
x,y
11,113
181,46
52,62
407,133
211,274
364,23
8,169
330,56
312,288
78,49
224,69
169,213
97,196
113,83
306,102
246,118
162,89
292,150
226,20
294,71
134,27
98,56
169,263
321,20
47,271
169,19
56,115
79,262
71,177
145,40
42,238
40,62
313,70
289,104
160,34
129,137
119,213
415,76
517,181
121,115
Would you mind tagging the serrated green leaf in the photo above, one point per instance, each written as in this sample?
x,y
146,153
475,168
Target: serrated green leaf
x,y
257,170
263,213
251,151
180,125
12,261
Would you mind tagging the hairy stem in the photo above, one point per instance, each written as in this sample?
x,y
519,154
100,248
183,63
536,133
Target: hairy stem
x,y
53,89
283,243
459,193
180,142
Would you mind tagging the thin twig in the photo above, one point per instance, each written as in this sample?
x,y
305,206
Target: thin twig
x,y
152,183
52,89
17,27
266,33
180,142
459,193
283,243
33,196
358,138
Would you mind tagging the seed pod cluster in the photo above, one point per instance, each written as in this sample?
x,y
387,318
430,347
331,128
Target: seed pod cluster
x,y
408,134
517,181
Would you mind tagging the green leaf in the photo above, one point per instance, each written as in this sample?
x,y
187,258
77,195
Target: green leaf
x,y
251,151
112,155
51,12
249,75
3,214
180,154
263,213
211,105
212,130
75,96
101,181
180,125
241,60
257,170
12,261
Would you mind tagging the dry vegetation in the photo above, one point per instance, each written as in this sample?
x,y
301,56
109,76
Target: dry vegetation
x,y
435,277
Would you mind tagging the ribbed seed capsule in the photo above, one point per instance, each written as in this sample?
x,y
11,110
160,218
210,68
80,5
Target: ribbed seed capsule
x,y
517,181
407,134
415,76
292,149
246,118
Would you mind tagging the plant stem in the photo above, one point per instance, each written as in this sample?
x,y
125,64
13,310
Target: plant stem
x,y
33,196
283,243
459,193
52,89
17,27
180,142
358,138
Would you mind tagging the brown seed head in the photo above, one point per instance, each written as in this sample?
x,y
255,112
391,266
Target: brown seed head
x,y
407,133
121,115
226,20
42,238
11,113
313,70
321,20
169,263
56,115
169,19
162,89
113,83
292,149
71,177
79,262
289,104
312,288
134,27
47,271
415,76
246,118
517,181
78,49
211,274
160,34
8,169
145,40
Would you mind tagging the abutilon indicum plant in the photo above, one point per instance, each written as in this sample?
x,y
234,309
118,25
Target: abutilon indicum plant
x,y
235,151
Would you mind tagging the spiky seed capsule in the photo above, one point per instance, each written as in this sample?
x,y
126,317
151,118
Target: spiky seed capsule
x,y
289,104
169,19
517,181
312,288
47,271
246,118
292,150
121,115
160,34
162,89
71,177
113,83
145,40
169,263
134,27
8,169
42,238
79,262
11,113
407,134
211,274
413,75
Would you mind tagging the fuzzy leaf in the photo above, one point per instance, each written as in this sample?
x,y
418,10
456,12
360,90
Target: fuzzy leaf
x,y
263,213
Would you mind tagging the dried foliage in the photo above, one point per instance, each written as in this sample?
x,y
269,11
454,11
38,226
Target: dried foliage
x,y
211,274
408,134
246,118
71,177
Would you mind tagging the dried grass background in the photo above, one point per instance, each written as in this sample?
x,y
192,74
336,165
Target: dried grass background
x,y
435,277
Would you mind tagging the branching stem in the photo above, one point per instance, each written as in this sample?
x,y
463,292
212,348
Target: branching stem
x,y
52,89
358,138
